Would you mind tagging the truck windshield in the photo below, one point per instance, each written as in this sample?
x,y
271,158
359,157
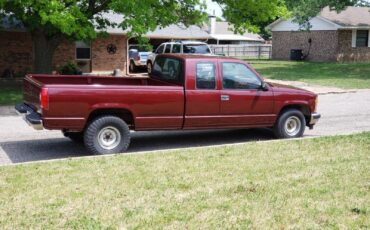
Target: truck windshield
x,y
196,49
168,69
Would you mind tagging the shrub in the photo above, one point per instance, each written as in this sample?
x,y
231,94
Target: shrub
x,y
70,68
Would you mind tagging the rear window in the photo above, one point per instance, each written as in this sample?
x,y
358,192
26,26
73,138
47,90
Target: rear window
x,y
168,69
196,49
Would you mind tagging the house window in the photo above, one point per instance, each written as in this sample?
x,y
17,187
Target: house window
x,y
362,38
83,51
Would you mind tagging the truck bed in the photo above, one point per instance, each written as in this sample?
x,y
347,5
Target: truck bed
x,y
73,98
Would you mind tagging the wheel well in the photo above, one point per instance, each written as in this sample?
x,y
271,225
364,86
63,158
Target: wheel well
x,y
124,114
303,108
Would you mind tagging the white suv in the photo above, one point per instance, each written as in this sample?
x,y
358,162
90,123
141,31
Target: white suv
x,y
186,47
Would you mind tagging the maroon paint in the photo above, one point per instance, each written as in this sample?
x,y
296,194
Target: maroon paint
x,y
157,105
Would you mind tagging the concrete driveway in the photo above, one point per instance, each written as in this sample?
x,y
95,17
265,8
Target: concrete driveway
x,y
342,113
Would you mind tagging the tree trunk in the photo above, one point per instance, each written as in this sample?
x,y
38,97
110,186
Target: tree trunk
x,y
44,47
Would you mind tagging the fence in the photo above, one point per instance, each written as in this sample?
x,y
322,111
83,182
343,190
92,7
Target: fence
x,y
243,51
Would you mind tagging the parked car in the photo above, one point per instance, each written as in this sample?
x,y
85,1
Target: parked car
x,y
178,47
138,56
183,92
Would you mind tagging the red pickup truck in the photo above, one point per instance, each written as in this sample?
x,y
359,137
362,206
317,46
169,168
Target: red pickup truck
x,y
183,92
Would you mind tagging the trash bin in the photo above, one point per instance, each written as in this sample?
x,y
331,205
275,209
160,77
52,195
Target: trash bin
x,y
296,54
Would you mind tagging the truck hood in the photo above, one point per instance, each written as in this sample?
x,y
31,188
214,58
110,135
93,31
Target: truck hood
x,y
289,89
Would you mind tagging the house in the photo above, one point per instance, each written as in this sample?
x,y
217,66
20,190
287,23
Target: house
x,y
104,55
343,36
221,32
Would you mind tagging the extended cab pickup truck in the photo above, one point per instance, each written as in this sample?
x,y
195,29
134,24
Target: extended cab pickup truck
x,y
183,92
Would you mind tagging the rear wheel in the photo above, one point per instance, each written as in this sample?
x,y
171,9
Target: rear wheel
x,y
132,67
149,67
107,135
290,124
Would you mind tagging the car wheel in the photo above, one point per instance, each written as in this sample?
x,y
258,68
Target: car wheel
x,y
77,137
132,67
107,135
149,67
290,124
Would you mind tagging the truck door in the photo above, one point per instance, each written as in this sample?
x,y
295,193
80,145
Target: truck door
x,y
243,102
202,94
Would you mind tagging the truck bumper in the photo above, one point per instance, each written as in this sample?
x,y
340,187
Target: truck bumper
x,y
314,119
32,117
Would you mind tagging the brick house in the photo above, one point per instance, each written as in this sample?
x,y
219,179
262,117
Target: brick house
x,y
16,51
343,36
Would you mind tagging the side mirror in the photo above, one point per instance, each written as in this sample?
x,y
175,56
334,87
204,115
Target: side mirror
x,y
264,86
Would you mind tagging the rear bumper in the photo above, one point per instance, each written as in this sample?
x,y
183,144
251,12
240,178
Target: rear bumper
x,y
32,117
314,119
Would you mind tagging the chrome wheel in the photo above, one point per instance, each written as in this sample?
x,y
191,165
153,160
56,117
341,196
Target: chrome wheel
x,y
109,137
292,126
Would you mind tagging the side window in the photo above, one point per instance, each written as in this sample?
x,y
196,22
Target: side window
x,y
167,69
176,48
238,76
205,76
168,48
160,49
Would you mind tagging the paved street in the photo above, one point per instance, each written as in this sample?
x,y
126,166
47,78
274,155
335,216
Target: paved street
x,y
341,114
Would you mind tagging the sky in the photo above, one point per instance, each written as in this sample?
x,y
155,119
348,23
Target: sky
x,y
213,7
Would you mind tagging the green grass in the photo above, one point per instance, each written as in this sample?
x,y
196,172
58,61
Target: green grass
x,y
10,92
302,184
341,75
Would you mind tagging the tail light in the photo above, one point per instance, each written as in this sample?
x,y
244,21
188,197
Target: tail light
x,y
44,99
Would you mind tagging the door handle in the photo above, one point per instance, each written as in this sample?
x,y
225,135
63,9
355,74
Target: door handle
x,y
225,97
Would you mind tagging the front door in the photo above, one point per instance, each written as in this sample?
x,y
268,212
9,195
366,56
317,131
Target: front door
x,y
243,102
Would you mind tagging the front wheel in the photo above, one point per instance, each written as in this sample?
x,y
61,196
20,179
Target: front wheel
x,y
107,135
290,124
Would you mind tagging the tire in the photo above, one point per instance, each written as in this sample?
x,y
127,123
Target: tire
x,y
132,67
77,137
107,135
290,124
149,67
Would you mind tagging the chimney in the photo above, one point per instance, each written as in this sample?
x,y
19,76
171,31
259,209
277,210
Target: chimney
x,y
211,24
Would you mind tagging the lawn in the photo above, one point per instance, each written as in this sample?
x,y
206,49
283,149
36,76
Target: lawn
x,y
300,184
341,75
10,92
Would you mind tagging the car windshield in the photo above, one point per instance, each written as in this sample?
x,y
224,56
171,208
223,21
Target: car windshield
x,y
196,49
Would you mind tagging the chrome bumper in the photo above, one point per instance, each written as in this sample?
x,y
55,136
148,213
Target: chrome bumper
x,y
314,119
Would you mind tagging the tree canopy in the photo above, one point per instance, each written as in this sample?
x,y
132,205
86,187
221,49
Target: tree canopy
x,y
50,21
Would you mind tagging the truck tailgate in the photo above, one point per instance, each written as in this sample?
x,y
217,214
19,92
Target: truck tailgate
x,y
31,92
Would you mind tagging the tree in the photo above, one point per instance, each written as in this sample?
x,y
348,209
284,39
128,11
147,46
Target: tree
x,y
51,21
254,16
